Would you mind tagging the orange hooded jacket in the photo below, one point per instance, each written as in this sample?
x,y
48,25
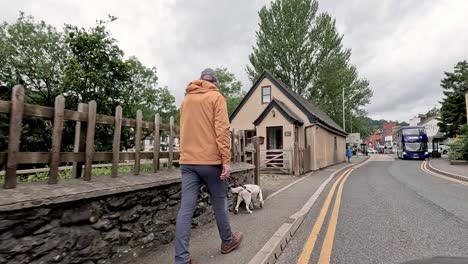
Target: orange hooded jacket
x,y
205,138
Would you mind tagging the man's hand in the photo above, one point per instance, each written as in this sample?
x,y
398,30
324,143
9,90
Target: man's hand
x,y
226,172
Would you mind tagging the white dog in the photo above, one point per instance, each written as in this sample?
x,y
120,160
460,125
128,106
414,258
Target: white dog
x,y
248,193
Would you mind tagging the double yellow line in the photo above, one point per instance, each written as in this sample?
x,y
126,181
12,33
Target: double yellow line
x,y
326,251
424,167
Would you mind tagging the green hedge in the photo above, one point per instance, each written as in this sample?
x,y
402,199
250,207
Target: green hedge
x,y
459,145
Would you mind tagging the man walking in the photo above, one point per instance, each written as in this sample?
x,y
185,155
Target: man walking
x,y
349,154
205,156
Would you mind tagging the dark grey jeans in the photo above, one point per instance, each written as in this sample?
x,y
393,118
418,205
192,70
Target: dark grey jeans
x,y
193,176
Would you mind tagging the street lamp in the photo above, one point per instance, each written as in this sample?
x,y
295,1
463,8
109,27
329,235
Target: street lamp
x,y
344,124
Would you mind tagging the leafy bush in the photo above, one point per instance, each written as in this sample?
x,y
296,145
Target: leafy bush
x,y
459,145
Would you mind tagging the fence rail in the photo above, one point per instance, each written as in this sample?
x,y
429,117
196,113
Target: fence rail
x,y
71,115
84,154
95,166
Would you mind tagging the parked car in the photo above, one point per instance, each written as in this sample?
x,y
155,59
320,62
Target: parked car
x,y
443,148
371,151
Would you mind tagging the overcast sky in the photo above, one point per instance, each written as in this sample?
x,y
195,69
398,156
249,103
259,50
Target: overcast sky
x,y
401,46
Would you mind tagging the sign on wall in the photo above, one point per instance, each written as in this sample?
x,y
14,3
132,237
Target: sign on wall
x,y
287,133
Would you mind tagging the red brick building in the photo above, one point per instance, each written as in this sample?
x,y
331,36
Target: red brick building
x,y
375,139
388,127
378,138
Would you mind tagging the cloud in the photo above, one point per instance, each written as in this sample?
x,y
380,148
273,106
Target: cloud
x,y
402,47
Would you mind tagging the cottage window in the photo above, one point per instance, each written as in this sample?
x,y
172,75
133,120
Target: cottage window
x,y
266,94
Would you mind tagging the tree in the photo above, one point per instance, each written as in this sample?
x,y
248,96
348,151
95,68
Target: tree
x,y
403,123
360,124
434,111
5,95
33,54
98,71
453,110
230,87
83,64
303,49
284,43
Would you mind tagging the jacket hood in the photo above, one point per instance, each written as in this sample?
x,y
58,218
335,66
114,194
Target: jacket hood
x,y
200,86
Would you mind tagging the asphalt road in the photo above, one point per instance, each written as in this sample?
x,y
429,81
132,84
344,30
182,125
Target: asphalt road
x,y
390,211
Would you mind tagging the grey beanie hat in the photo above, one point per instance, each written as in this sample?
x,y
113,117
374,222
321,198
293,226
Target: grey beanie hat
x,y
208,74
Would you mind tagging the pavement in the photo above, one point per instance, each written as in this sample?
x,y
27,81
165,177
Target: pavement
x,y
391,211
258,227
443,166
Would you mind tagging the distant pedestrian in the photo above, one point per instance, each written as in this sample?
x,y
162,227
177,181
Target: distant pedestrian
x,y
349,154
205,156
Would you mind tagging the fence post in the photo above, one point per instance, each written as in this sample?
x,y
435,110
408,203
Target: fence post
x,y
59,110
116,142
291,160
239,146
171,143
16,120
256,160
233,145
296,159
301,161
90,140
80,140
244,142
139,117
156,143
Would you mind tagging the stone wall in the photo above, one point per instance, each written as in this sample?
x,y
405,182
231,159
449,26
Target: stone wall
x,y
96,229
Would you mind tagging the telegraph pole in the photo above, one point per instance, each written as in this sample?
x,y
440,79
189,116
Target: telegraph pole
x,y
344,124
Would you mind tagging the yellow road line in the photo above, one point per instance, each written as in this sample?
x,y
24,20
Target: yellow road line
x,y
327,246
310,243
424,168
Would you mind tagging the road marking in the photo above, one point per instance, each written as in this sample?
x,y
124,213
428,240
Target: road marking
x,y
310,243
382,157
327,246
425,169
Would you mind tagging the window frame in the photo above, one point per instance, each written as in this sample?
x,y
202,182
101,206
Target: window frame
x,y
269,94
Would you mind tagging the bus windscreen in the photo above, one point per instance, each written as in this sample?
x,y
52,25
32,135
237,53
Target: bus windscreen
x,y
413,131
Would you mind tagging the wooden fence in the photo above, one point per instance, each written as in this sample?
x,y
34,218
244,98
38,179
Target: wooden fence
x,y
242,151
84,153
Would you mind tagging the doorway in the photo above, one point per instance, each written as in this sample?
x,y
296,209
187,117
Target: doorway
x,y
274,137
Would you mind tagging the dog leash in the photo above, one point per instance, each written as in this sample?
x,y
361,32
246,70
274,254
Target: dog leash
x,y
236,182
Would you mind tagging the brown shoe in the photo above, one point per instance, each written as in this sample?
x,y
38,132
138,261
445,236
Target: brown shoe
x,y
233,244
